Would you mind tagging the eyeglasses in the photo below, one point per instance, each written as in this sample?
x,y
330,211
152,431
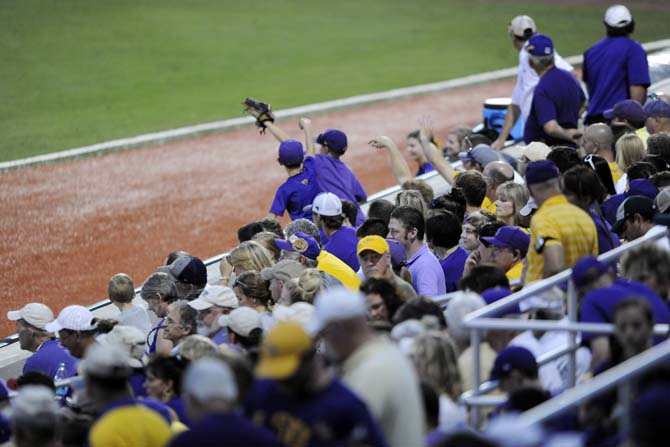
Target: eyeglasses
x,y
469,143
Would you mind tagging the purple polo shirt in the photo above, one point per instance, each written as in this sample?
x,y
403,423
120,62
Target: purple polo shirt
x,y
559,97
297,192
453,266
426,167
221,337
48,357
333,175
610,67
427,274
343,244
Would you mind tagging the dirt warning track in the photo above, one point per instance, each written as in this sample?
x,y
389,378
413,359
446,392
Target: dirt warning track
x,y
67,227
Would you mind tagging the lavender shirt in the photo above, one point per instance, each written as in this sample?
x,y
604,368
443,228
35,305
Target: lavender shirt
x,y
334,176
427,274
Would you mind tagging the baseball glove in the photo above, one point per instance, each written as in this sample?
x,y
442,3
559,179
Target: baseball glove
x,y
262,111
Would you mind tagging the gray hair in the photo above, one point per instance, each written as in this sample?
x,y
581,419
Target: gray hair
x,y
159,283
541,61
303,226
459,306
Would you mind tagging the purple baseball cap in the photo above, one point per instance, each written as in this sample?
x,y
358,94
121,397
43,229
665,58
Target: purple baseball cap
x,y
482,154
301,243
509,236
334,139
291,152
187,269
586,270
629,110
514,357
540,171
540,45
657,109
642,187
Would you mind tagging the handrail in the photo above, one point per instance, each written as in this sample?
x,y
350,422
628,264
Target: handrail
x,y
479,320
623,372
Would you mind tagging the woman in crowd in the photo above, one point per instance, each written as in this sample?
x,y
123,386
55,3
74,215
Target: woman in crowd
x,y
512,197
629,149
163,383
382,299
249,256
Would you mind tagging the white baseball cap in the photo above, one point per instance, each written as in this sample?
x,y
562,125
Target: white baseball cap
x,y
336,304
327,204
210,378
35,314
74,318
522,26
528,207
128,339
242,321
106,361
300,312
618,16
215,296
536,151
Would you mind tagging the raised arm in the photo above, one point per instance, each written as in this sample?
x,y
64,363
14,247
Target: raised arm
x,y
398,163
265,118
306,126
435,157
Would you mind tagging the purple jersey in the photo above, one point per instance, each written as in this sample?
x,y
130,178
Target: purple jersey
x,y
297,192
48,357
333,175
333,416
558,97
426,167
610,67
453,266
224,429
343,244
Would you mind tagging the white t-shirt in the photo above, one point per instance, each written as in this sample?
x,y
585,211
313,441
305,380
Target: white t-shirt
x,y
135,316
527,79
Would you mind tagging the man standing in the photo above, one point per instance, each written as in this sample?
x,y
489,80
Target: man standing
x,y
371,365
407,227
557,99
615,68
561,233
374,255
521,29
327,213
48,354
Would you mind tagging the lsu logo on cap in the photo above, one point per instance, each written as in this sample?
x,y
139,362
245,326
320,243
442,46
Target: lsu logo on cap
x,y
298,244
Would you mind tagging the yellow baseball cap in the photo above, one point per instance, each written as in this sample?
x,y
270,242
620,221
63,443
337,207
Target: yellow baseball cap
x,y
281,351
375,243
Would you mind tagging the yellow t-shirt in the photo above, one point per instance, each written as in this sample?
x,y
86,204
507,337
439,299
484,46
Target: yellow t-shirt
x,y
616,171
514,274
489,206
332,265
559,222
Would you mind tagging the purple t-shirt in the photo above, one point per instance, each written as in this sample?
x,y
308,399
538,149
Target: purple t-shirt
x,y
297,192
610,67
427,274
558,97
224,429
426,167
598,305
333,416
333,175
48,357
343,244
453,266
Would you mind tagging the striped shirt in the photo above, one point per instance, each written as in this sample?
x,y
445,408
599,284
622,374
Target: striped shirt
x,y
559,222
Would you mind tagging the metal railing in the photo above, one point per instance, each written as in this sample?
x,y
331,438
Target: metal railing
x,y
481,320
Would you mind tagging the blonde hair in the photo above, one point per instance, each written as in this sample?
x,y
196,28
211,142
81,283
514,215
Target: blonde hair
x,y
435,358
413,199
121,288
310,283
295,292
250,256
518,195
267,240
629,150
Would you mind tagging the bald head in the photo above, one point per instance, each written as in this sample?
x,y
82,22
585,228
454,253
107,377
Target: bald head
x,y
598,137
499,171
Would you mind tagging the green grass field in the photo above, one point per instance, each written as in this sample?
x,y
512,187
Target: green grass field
x,y
77,72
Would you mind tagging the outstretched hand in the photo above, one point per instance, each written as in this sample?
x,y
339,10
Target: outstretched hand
x,y
304,123
425,128
381,142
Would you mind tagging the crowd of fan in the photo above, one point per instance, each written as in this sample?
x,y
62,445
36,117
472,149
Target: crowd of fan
x,y
326,332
